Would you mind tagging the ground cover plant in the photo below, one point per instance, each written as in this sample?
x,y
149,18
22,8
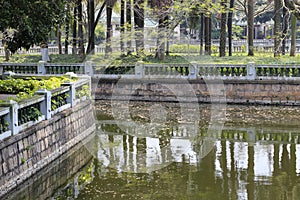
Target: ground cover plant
x,y
25,88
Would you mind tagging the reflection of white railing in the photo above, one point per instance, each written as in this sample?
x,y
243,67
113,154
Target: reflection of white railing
x,y
139,70
242,134
16,116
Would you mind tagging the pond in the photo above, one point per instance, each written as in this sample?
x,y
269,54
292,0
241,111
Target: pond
x,y
151,150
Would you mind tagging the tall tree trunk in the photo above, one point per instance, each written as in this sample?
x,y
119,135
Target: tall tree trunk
x,y
59,40
6,50
229,26
139,25
122,24
293,35
74,42
108,49
285,27
207,35
80,29
67,28
250,24
160,52
277,34
222,50
128,22
91,31
201,32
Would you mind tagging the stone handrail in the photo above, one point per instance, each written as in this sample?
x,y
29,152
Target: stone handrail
x,y
250,71
4,122
17,116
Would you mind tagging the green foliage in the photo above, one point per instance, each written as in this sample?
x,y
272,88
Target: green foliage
x,y
83,91
237,32
184,48
33,114
26,88
99,33
4,126
34,58
59,100
28,22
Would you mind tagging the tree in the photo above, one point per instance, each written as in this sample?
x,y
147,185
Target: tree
x,y
160,10
222,51
139,25
67,28
80,29
293,35
207,34
277,33
285,27
229,26
28,23
92,24
201,32
91,30
128,25
74,41
293,6
250,10
122,25
250,25
109,6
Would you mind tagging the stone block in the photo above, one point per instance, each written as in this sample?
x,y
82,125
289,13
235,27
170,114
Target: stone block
x,y
46,143
42,146
10,164
5,153
4,167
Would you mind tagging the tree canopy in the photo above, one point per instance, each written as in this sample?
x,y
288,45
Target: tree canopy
x,y
24,23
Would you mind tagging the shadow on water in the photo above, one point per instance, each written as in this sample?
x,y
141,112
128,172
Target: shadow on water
x,y
255,156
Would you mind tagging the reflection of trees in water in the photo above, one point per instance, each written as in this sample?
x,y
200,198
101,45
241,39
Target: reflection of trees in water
x,y
206,180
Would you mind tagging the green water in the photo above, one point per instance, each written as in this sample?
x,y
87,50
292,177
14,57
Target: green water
x,y
254,155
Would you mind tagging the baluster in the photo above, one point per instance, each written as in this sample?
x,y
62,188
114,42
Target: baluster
x,y
260,71
229,71
206,71
161,70
177,70
187,70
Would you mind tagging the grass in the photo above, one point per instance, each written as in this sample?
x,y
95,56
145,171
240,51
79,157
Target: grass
x,y
116,58
34,58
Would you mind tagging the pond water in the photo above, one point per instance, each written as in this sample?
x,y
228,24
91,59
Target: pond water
x,y
239,152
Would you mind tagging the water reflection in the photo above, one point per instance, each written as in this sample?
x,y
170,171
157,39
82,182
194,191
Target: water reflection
x,y
248,159
232,170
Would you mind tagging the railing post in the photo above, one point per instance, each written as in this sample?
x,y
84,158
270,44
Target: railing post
x,y
251,135
193,70
14,127
46,104
251,71
72,92
41,67
1,69
88,68
139,70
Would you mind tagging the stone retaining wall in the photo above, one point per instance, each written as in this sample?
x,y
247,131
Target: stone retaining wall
x,y
56,175
266,92
24,154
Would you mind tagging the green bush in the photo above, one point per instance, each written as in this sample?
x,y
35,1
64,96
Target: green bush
x,y
26,88
184,48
